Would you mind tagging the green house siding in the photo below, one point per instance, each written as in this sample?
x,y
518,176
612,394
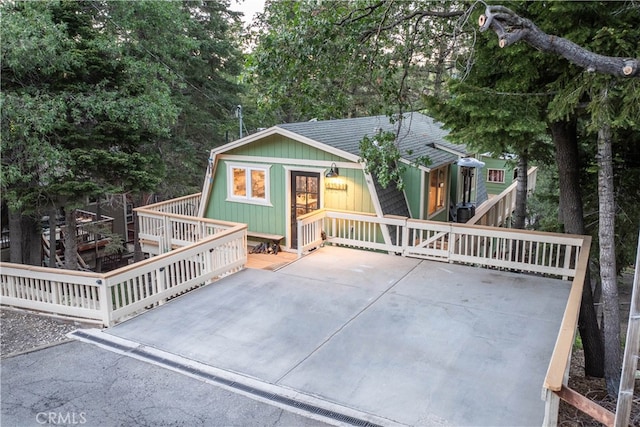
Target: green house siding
x,y
412,188
455,186
282,155
277,146
260,218
356,197
501,164
441,216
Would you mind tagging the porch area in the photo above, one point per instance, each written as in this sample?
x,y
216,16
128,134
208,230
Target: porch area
x,y
384,339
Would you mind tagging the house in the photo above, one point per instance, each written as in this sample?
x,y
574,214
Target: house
x,y
271,178
499,172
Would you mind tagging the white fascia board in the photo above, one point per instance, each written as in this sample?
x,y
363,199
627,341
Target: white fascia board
x,y
275,130
206,186
243,141
425,168
421,167
450,150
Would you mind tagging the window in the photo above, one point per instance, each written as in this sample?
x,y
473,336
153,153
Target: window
x,y
437,189
495,175
249,184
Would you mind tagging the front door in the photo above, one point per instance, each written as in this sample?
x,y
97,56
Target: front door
x,y
305,198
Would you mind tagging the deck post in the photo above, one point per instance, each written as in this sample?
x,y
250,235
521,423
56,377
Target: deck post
x,y
168,235
106,301
299,237
551,408
405,236
452,244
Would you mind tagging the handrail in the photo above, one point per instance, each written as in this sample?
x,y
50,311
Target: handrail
x,y
108,297
562,255
561,355
168,205
530,251
489,212
161,232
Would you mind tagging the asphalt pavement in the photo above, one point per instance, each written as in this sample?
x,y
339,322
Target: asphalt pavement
x,y
75,383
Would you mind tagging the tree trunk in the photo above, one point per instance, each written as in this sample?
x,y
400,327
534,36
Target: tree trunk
x,y
567,159
53,224
15,236
24,236
606,237
520,213
70,241
32,236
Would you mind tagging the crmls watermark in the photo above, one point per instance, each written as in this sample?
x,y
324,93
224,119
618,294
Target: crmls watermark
x,y
61,418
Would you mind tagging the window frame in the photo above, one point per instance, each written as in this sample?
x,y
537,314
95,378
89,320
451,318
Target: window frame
x,y
501,172
248,168
441,188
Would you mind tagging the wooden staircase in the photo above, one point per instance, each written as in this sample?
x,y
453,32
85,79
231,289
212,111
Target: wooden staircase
x,y
59,254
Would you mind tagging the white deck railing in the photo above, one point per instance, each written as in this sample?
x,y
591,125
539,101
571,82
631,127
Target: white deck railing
x,y
162,228
553,254
208,249
496,211
111,297
535,252
186,205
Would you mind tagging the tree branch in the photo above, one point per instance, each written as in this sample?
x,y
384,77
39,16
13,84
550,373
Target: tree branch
x,y
419,14
364,13
511,28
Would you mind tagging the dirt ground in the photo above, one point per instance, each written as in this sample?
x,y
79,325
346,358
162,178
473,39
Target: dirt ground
x,y
595,388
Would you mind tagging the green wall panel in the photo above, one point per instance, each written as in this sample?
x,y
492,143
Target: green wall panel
x,y
491,163
411,178
354,196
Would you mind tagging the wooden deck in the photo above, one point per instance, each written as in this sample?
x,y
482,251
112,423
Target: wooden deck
x,y
269,261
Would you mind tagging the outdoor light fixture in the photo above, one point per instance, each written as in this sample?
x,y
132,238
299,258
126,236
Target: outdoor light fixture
x,y
333,181
333,172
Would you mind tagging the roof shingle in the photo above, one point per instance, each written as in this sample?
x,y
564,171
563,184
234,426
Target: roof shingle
x,y
416,132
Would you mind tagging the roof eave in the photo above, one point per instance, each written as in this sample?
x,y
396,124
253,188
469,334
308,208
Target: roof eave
x,y
275,130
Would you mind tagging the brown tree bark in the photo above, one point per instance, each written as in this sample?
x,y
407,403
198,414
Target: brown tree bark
x,y
15,236
511,28
608,274
520,213
70,241
53,224
25,239
567,160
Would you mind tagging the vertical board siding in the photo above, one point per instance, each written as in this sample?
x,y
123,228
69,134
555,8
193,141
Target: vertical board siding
x,y
272,219
491,163
411,178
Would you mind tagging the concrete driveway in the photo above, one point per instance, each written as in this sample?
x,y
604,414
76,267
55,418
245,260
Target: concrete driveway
x,y
365,337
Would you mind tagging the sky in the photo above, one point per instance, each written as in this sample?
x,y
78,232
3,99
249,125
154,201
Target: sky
x,y
248,7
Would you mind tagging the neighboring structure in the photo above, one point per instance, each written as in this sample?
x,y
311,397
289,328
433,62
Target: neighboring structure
x,y
271,178
499,172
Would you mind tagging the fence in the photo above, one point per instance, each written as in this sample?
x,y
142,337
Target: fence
x,y
186,205
162,230
534,252
497,210
90,230
552,254
111,297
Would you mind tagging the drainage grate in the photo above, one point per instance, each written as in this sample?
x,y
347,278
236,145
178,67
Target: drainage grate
x,y
238,386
